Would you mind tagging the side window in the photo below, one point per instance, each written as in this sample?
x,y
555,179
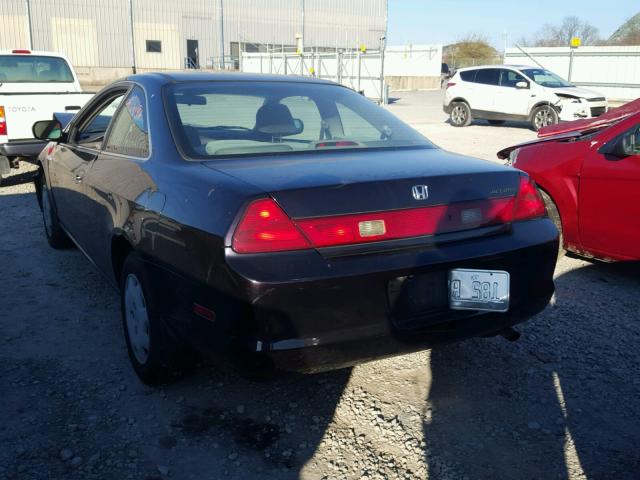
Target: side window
x,y
306,110
488,76
129,133
509,78
636,138
93,129
468,76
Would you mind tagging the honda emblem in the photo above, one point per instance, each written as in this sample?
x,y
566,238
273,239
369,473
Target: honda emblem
x,y
420,192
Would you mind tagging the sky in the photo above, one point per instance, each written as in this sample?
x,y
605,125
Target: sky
x,y
445,21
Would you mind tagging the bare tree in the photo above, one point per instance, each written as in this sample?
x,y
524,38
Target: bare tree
x,y
561,35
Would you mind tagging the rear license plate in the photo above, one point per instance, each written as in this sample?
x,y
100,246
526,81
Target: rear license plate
x,y
486,290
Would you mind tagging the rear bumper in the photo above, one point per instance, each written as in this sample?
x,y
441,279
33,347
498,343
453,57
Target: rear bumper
x,y
304,312
28,149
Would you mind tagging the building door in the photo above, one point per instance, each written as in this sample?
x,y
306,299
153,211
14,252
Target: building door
x,y
193,61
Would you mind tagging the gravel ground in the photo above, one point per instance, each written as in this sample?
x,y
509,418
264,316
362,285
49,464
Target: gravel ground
x,y
563,402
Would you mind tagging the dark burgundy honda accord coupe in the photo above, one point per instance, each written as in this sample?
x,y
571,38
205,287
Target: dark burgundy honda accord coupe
x,y
288,222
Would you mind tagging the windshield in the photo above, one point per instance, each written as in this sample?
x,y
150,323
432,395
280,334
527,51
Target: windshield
x,y
546,78
226,119
32,69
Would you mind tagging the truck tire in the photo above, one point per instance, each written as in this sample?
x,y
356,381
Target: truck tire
x,y
156,355
460,115
56,236
554,214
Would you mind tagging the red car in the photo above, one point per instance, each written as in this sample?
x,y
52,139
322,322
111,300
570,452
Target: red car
x,y
588,172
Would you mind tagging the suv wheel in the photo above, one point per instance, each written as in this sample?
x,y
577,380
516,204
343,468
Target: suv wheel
x,y
543,116
460,115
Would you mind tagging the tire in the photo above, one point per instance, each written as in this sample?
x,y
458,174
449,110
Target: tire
x,y
543,116
496,122
460,115
56,236
155,353
554,215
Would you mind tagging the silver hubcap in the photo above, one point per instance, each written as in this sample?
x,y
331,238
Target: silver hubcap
x,y
544,117
47,214
458,115
137,318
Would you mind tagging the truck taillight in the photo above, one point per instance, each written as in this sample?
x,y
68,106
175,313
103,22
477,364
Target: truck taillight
x,y
3,122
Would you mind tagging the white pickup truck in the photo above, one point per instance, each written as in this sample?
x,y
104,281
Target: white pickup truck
x,y
33,85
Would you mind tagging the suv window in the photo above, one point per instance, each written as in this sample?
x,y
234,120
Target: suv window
x,y
509,78
129,132
488,76
468,75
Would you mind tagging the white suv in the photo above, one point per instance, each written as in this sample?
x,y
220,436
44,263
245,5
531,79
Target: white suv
x,y
516,92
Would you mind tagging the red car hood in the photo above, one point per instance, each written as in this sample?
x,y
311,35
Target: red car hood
x,y
589,123
563,131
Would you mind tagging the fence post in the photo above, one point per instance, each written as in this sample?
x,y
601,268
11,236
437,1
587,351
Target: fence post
x,y
382,47
359,69
131,32
284,60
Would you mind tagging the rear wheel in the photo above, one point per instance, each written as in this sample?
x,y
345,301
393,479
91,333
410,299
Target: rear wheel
x,y
56,236
496,122
460,115
543,116
156,355
554,214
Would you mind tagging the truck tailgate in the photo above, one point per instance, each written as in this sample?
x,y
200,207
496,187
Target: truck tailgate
x,y
22,110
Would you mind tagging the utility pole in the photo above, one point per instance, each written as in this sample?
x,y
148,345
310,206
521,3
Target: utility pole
x,y
221,32
29,26
132,33
302,21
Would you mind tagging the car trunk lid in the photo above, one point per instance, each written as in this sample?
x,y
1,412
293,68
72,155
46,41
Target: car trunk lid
x,y
342,183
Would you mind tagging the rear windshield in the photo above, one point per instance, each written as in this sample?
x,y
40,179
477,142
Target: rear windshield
x,y
228,119
34,69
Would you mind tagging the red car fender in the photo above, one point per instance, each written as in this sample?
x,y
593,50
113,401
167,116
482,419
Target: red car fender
x,y
555,167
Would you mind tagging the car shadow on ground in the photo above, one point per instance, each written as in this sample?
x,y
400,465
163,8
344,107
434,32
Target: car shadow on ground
x,y
19,179
584,416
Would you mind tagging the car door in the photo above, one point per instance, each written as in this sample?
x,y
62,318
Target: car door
x,y
73,159
117,183
609,205
486,84
509,99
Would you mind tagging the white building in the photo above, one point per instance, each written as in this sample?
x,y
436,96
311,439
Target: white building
x,y
106,39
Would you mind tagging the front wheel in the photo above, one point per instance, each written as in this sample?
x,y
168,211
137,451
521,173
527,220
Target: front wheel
x,y
460,115
543,116
156,355
554,214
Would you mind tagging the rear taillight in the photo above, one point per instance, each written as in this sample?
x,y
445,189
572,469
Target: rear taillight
x,y
21,51
395,224
265,227
529,203
3,122
451,84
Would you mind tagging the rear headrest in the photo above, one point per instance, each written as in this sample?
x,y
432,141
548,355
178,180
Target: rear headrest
x,y
275,119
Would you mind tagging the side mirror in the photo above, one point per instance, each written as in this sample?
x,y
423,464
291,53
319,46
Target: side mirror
x,y
47,130
621,147
522,85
